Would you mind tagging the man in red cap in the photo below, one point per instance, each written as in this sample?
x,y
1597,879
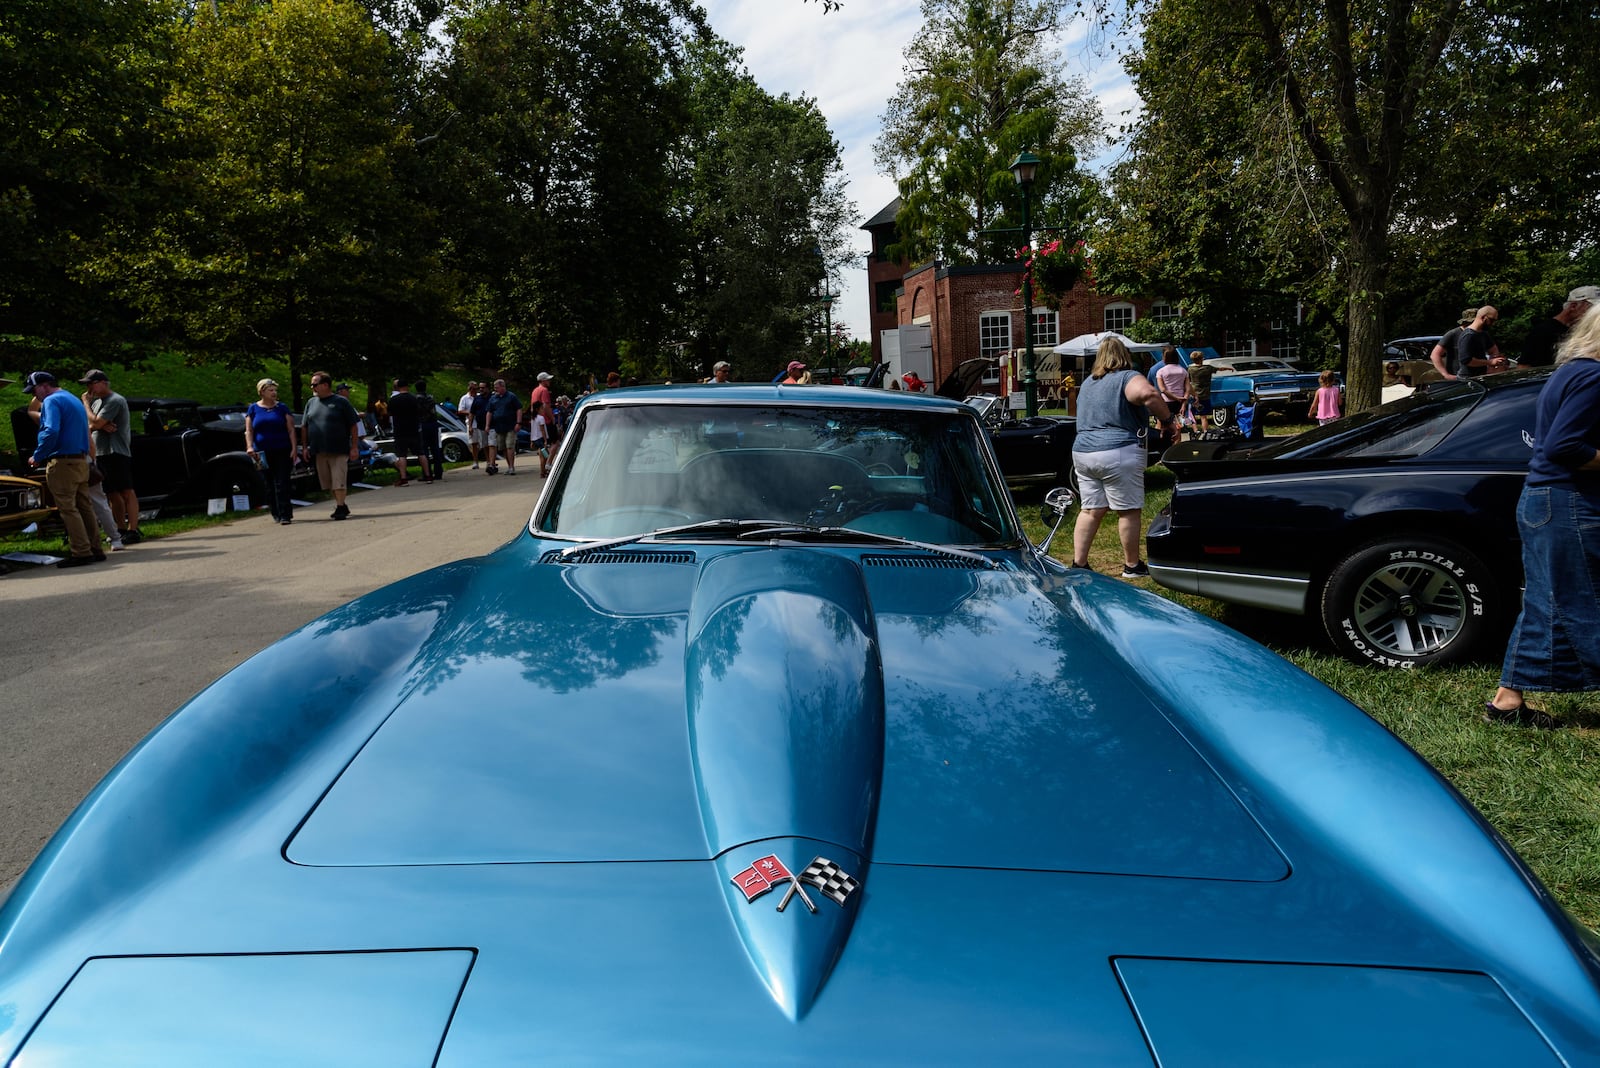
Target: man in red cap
x,y
796,369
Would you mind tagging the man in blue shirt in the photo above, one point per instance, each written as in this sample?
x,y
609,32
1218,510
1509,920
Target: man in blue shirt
x,y
505,413
63,452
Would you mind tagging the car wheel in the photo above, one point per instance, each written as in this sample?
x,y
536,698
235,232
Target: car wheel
x,y
454,451
1221,416
1409,601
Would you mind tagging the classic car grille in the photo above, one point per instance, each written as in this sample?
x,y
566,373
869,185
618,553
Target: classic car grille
x,y
603,556
943,563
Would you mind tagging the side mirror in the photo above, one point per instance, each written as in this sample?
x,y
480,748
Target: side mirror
x,y
1057,504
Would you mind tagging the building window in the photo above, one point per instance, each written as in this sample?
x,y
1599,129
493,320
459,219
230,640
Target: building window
x,y
1119,316
1285,346
994,334
883,295
1239,345
1163,311
1046,331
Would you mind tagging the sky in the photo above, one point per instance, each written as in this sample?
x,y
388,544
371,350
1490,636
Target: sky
x,y
850,61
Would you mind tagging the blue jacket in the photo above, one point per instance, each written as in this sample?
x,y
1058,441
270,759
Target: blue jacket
x,y
63,428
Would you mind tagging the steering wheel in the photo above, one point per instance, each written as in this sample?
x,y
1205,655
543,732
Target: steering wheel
x,y
880,469
626,521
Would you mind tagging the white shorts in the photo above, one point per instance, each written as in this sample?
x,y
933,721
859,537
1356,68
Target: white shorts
x,y
1111,479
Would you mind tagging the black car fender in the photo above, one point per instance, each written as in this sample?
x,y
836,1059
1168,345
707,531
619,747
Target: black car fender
x,y
226,470
1476,533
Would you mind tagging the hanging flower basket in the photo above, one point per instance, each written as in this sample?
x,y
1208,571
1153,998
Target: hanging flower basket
x,y
1055,268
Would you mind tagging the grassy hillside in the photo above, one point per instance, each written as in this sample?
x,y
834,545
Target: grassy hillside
x,y
169,376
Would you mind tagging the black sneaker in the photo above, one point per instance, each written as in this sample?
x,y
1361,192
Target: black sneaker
x,y
75,561
131,537
1139,570
1075,566
1521,716
341,512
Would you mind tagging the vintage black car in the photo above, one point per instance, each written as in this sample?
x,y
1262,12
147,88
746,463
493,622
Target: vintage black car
x,y
1036,449
1395,526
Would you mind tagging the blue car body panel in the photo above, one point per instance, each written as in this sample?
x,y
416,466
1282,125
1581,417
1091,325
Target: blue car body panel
x,y
1044,840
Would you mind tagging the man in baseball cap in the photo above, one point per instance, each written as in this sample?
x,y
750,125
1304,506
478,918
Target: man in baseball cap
x,y
1546,335
63,452
36,379
796,369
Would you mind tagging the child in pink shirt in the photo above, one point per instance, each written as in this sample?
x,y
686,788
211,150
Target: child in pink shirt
x,y
1325,405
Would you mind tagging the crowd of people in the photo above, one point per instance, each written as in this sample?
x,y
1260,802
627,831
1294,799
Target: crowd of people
x,y
84,445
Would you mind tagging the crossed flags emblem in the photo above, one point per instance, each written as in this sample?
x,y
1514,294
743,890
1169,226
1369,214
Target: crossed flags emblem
x,y
822,873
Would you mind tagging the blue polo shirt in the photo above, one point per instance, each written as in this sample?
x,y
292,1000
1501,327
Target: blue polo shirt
x,y
63,428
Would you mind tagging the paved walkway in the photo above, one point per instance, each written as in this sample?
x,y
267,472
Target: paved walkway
x,y
94,657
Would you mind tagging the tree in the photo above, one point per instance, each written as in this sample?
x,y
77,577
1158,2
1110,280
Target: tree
x,y
554,175
81,86
1334,143
285,229
763,208
981,85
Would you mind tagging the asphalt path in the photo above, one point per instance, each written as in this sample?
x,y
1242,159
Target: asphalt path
x,y
97,656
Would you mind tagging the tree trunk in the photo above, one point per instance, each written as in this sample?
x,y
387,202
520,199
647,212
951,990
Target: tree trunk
x,y
1363,371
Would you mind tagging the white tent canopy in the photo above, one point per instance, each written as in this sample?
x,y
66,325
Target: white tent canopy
x,y
1087,344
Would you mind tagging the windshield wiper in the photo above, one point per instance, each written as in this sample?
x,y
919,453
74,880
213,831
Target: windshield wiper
x,y
756,529
801,532
705,526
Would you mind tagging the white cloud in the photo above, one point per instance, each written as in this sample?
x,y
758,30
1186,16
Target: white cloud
x,y
850,62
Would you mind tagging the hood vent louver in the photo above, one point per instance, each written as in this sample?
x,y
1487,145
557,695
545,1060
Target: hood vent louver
x,y
620,556
940,563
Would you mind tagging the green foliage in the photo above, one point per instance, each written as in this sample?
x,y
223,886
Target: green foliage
x,y
1386,161
285,228
981,85
765,217
81,84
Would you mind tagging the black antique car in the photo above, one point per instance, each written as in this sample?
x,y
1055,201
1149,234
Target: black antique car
x,y
1396,526
1035,449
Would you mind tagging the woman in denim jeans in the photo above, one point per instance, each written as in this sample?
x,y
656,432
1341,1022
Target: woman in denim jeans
x,y
1555,647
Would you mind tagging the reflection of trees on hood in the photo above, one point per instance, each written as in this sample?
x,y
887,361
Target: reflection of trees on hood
x,y
578,650
563,642
717,645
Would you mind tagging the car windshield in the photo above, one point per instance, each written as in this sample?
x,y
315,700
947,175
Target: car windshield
x,y
910,473
1409,426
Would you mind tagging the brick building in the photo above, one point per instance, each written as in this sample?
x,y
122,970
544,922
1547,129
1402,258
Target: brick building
x,y
976,311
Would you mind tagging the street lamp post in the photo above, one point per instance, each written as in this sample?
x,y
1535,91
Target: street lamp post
x,y
1023,169
827,323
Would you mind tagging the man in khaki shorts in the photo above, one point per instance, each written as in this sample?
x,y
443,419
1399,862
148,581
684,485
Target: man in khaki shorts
x,y
333,433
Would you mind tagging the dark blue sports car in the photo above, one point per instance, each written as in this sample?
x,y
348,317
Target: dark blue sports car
x,y
771,740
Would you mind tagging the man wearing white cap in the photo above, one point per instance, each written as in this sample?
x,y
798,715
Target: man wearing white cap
x,y
539,401
1546,335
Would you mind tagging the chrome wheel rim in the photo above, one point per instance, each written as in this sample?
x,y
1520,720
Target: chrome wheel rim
x,y
1410,608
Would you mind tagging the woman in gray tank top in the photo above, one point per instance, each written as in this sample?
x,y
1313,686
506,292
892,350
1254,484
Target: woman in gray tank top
x,y
1108,454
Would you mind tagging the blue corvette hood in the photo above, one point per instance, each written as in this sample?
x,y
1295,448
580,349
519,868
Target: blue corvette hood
x,y
521,810
677,712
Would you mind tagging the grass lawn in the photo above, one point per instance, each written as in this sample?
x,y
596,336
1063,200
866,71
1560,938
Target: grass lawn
x,y
1540,789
